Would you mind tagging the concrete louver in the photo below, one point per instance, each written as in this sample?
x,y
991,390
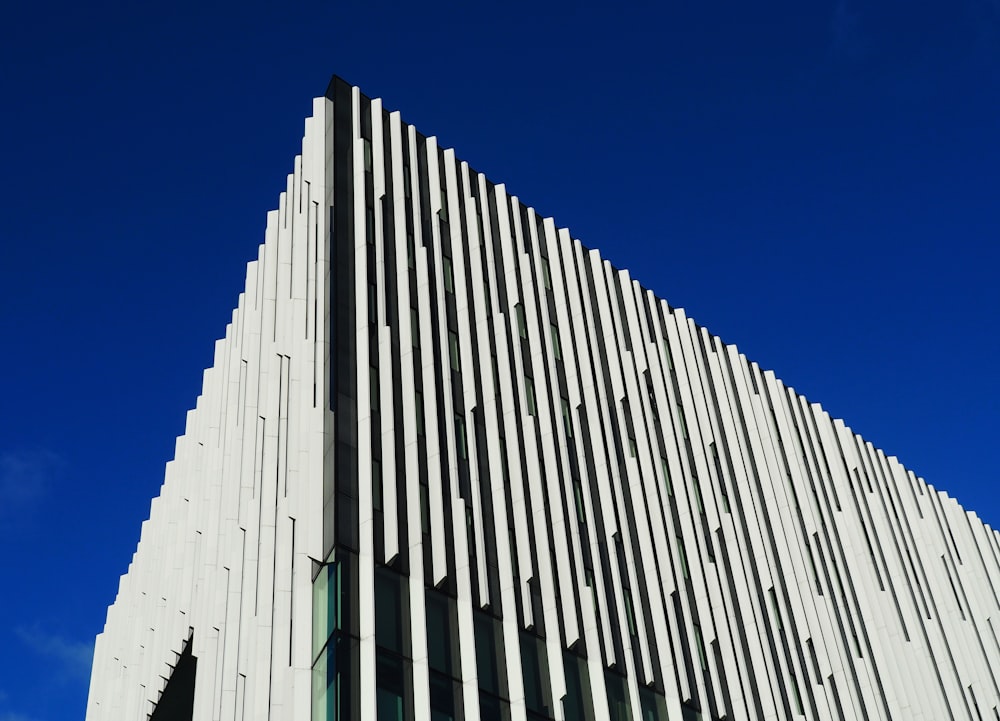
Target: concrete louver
x,y
450,463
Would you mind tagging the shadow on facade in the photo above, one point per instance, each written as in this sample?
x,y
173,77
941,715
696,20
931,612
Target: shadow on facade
x,y
177,700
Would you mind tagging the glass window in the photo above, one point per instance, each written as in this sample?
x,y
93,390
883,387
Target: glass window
x,y
698,499
486,653
391,687
444,205
372,303
492,708
665,467
581,515
327,595
556,347
331,681
373,387
449,279
577,704
682,557
592,584
411,250
453,349
439,640
367,144
470,530
529,394
618,703
691,713
633,449
490,665
391,610
522,324
567,418
407,183
334,648
682,420
700,641
654,706
443,691
370,225
535,671
546,278
414,328
460,440
629,612
775,609
441,657
324,691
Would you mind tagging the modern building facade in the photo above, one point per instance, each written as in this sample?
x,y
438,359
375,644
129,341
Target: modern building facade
x,y
451,464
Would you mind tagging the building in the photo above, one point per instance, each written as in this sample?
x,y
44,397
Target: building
x,y
451,464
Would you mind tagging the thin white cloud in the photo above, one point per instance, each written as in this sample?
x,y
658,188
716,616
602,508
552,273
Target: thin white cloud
x,y
14,716
75,658
25,477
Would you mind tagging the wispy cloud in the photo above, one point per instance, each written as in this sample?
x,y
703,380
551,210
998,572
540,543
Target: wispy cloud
x,y
14,716
74,658
25,477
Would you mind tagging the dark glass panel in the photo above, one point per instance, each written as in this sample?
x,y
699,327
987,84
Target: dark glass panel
x,y
390,693
390,610
486,653
176,702
618,703
492,708
577,704
445,696
536,675
654,706
439,640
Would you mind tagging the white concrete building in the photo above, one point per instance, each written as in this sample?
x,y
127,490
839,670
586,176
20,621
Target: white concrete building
x,y
451,464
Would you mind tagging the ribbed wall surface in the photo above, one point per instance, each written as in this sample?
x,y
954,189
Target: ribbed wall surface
x,y
224,557
546,493
599,470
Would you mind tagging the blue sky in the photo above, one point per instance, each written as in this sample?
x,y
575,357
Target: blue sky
x,y
815,182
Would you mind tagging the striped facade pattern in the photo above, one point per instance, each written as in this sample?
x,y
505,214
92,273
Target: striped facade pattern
x,y
508,482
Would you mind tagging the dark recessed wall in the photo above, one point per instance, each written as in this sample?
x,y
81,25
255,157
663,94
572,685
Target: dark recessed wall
x,y
177,701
